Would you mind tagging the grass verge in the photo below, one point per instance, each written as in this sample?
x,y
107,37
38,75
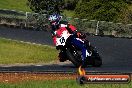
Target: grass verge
x,y
19,5
12,52
61,84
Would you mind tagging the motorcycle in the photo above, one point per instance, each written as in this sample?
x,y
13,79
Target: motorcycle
x,y
72,53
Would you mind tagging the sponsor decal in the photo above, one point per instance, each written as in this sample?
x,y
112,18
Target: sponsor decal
x,y
102,77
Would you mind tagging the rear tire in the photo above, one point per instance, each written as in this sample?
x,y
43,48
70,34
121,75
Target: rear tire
x,y
94,60
97,61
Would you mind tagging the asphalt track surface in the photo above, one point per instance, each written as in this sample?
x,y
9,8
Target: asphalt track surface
x,y
116,53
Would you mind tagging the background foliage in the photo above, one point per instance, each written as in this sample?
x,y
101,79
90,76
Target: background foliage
x,y
106,10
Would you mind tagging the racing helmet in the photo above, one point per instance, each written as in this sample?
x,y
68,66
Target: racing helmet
x,y
54,19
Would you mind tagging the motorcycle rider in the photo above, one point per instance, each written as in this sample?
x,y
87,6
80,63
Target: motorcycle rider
x,y
56,24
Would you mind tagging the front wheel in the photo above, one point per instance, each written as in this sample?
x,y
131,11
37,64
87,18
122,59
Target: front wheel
x,y
74,58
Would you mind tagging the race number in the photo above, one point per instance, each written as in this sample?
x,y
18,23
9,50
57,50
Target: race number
x,y
62,40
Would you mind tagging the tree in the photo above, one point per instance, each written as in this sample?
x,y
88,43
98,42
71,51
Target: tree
x,y
46,6
107,10
51,6
70,4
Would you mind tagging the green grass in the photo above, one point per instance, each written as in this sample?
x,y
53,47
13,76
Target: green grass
x,y
12,52
19,5
61,84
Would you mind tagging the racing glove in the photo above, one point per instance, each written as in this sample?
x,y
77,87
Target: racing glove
x,y
81,35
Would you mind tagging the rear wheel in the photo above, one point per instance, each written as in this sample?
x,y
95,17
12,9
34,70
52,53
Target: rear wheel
x,y
97,61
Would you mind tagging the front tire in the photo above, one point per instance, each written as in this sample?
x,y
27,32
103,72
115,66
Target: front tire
x,y
62,56
74,58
